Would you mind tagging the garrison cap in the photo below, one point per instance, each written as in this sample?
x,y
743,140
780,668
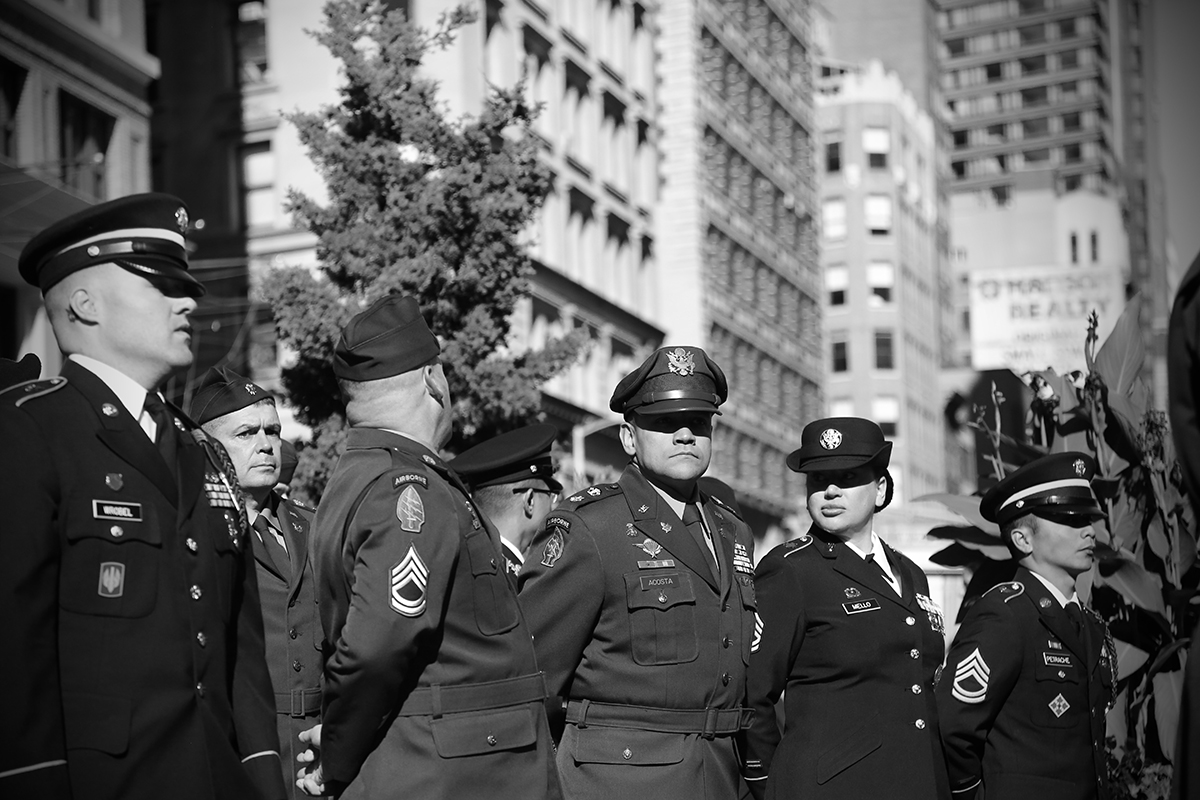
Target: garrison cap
x,y
511,457
288,461
672,379
222,391
840,443
1057,484
389,338
142,233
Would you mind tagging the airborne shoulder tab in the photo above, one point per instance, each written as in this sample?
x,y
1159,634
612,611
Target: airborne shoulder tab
x,y
796,545
1008,590
22,393
589,495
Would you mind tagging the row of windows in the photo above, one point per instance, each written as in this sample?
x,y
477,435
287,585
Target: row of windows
x,y
876,145
728,79
754,462
1005,132
999,10
1067,155
839,350
877,213
769,34
616,30
885,411
732,176
1027,67
761,381
1023,36
1032,97
881,284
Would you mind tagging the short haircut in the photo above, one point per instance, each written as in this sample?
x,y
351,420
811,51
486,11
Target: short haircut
x,y
501,497
1006,530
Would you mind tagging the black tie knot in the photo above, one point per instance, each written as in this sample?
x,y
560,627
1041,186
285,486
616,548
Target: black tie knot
x,y
1075,614
164,435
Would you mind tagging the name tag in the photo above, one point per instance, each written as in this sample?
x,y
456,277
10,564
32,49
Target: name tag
x,y
862,606
112,509
651,582
666,564
1056,660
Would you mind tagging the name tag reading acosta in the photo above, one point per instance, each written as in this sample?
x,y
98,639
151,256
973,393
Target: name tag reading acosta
x,y
651,582
113,509
862,606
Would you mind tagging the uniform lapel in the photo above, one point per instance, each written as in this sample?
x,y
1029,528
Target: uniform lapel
x,y
655,519
263,556
295,533
192,462
120,432
1053,616
850,564
722,539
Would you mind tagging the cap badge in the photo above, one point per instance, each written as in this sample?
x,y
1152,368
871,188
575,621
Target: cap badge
x,y
251,389
1080,467
831,438
181,219
109,410
681,362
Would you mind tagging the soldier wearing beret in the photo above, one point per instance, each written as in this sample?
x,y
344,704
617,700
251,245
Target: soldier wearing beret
x,y
511,477
1030,675
849,636
130,607
242,416
640,597
431,684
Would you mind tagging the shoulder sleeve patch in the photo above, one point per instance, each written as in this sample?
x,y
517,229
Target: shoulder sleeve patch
x,y
796,545
410,477
1008,590
22,393
556,521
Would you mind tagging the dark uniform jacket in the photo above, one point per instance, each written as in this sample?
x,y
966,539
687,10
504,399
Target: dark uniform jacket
x,y
857,664
1023,700
134,643
431,685
293,633
647,644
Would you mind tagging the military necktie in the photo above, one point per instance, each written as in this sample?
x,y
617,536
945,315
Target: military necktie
x,y
695,526
279,554
164,436
1075,614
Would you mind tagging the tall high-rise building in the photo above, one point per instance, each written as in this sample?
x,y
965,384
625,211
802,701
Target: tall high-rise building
x,y
74,130
737,248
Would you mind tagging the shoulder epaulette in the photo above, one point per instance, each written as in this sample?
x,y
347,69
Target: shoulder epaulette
x,y
1008,589
796,545
724,506
25,391
589,495
300,504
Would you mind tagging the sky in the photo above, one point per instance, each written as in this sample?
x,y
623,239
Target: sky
x,y
1177,63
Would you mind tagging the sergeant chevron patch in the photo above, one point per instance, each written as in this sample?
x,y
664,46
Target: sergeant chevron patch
x,y
971,679
408,581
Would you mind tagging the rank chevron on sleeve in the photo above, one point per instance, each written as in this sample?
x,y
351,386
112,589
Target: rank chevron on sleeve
x,y
409,577
971,679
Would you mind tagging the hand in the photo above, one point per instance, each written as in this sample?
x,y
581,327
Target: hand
x,y
309,778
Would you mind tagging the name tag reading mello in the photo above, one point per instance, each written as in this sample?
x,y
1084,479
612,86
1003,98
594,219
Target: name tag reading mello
x,y
113,509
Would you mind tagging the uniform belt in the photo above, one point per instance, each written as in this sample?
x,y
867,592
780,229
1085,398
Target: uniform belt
x,y
433,701
298,702
708,722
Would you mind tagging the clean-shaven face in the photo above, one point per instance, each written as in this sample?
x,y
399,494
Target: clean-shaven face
x,y
251,435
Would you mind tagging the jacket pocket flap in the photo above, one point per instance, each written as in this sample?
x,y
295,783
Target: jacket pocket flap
x,y
661,591
626,746
476,732
849,750
97,722
482,554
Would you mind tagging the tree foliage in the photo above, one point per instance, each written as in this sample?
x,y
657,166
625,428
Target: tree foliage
x,y
418,204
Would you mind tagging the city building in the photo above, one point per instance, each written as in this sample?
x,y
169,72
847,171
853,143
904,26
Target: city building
x,y
74,130
736,221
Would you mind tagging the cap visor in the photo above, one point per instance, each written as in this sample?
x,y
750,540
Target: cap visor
x,y
676,406
155,270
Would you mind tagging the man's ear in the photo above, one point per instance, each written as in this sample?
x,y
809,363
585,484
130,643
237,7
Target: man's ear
x,y
432,386
82,306
1022,537
627,441
527,502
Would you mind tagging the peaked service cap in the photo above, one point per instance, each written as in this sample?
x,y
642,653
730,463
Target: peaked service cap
x,y
840,443
1059,484
511,457
670,380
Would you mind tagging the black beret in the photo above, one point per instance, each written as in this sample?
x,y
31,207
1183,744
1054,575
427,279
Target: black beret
x,y
511,457
288,461
672,379
840,443
389,338
142,233
1060,484
14,372
222,391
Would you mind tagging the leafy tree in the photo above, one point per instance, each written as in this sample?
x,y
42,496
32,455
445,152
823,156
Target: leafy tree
x,y
419,205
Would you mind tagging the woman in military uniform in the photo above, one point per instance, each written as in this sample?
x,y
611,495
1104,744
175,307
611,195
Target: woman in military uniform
x,y
847,629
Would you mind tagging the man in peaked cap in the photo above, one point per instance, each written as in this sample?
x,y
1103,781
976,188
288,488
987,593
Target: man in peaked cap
x,y
848,636
641,603
1031,674
511,477
422,627
128,594
242,416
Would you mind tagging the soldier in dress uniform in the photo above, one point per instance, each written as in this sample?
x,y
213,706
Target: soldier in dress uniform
x,y
511,477
431,684
242,416
640,597
1030,675
14,372
848,634
134,664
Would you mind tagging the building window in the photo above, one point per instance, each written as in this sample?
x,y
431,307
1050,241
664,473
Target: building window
x,y
833,157
1037,158
1071,183
1002,194
1074,249
1072,153
84,133
837,281
884,352
1072,122
878,208
839,351
1033,65
12,82
961,139
1031,34
1068,91
1035,128
252,42
956,47
885,410
833,219
841,407
881,278
1034,97
994,72
1068,59
258,185
959,168
1095,247
877,143
1030,6
1067,29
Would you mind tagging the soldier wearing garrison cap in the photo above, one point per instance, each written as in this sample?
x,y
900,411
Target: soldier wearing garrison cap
x,y
1031,673
849,636
640,597
511,477
129,603
431,684
242,416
